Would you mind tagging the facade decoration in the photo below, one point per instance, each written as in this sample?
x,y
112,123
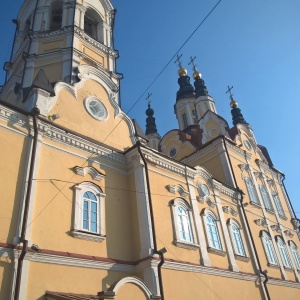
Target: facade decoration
x,y
93,207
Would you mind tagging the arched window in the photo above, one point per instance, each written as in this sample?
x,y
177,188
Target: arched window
x,y
213,236
278,205
236,237
295,254
251,191
56,15
93,25
89,215
283,253
184,224
184,232
269,249
266,198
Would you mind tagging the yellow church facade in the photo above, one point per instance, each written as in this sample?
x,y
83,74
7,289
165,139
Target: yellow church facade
x,y
94,208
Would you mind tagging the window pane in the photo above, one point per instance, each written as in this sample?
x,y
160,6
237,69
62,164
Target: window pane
x,y
284,254
237,240
251,191
184,226
269,250
296,256
266,198
278,205
213,234
85,215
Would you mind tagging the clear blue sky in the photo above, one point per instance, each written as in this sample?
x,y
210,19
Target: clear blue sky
x,y
252,45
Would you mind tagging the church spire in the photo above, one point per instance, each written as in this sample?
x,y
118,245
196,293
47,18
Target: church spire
x,y
237,116
151,130
200,87
186,90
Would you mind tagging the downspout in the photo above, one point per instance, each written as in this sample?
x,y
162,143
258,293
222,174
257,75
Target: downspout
x,y
34,113
247,223
291,206
160,253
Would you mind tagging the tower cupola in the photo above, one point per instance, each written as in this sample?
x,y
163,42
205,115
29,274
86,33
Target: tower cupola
x,y
237,116
151,130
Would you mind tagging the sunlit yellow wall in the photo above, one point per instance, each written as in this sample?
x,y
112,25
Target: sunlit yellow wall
x,y
282,292
13,153
113,131
46,277
188,285
5,277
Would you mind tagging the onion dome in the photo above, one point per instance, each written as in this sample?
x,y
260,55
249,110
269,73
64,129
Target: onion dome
x,y
150,121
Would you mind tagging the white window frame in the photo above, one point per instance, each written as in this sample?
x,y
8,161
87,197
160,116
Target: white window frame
x,y
269,248
78,231
295,254
284,254
253,196
178,241
232,222
212,248
278,205
266,198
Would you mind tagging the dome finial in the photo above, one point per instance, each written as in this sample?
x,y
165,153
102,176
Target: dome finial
x,y
233,103
150,121
196,74
182,71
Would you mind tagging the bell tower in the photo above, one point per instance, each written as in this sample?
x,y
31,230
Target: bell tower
x,y
58,37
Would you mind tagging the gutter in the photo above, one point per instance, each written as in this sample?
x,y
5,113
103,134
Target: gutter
x,y
162,251
247,224
34,113
290,203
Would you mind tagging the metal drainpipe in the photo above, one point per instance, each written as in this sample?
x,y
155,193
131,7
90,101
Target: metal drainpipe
x,y
282,179
34,113
72,46
160,253
247,222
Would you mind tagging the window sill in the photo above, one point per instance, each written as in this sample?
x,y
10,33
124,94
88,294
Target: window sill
x,y
273,266
271,211
186,245
255,204
288,268
242,258
283,217
87,236
216,251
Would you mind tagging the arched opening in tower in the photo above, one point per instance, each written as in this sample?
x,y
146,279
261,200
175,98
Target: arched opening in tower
x,y
56,15
93,25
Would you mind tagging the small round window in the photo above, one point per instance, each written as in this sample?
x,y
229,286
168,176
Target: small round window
x,y
95,108
173,152
203,190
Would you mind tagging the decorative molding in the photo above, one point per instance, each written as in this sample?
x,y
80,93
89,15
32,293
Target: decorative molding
x,y
258,175
288,233
210,202
230,209
96,175
87,236
261,222
296,223
244,167
177,188
276,228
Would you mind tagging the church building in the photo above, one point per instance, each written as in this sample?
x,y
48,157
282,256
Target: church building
x,y
95,207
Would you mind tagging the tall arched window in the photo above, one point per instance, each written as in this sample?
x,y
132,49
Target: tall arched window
x,y
295,254
214,240
89,215
56,15
93,25
269,249
236,237
266,198
251,191
278,205
184,232
283,253
184,224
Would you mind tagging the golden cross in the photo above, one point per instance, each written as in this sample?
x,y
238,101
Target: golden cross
x,y
229,91
192,62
